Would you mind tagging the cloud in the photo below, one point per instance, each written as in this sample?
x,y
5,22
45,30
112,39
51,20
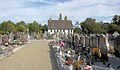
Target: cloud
x,y
42,10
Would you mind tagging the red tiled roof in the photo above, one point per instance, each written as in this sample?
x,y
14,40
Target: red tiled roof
x,y
60,24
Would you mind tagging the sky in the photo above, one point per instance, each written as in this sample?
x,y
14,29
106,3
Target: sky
x,y
42,10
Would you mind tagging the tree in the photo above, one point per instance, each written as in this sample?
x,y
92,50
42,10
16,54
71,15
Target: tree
x,y
21,26
119,20
116,19
84,27
77,30
115,24
105,27
91,26
7,26
113,28
44,28
34,27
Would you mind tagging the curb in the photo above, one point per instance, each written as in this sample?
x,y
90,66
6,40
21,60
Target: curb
x,y
19,48
7,54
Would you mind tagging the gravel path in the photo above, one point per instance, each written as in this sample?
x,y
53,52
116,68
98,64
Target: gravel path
x,y
36,56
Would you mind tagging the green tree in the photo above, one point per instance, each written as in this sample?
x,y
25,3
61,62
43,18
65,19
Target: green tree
x,y
116,19
115,24
7,26
119,20
91,26
44,28
105,27
84,27
113,28
21,26
77,30
34,27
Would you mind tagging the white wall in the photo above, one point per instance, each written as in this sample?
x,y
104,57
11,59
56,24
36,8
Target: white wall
x,y
56,30
52,31
72,31
66,31
49,31
62,31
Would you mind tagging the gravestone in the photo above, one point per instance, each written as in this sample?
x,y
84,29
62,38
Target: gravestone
x,y
115,34
82,40
0,38
11,35
93,41
87,41
102,44
5,39
117,43
76,40
69,39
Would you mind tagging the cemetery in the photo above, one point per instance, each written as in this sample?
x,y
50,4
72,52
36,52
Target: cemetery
x,y
86,52
59,34
10,43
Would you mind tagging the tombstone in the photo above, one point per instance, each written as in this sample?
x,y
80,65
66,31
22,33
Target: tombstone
x,y
73,40
27,37
5,39
93,41
76,40
0,38
107,42
64,36
102,44
117,45
38,35
115,34
87,41
82,40
60,35
69,38
11,35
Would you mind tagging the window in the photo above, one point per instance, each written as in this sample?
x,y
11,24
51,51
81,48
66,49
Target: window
x,y
68,31
63,30
51,30
60,30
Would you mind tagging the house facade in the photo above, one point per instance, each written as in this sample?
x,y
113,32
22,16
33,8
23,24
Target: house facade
x,y
60,26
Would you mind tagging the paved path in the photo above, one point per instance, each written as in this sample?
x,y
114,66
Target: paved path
x,y
36,56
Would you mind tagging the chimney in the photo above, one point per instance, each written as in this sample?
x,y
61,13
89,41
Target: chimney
x,y
65,18
60,17
49,20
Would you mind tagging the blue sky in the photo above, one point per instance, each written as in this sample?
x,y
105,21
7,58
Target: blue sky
x,y
42,10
